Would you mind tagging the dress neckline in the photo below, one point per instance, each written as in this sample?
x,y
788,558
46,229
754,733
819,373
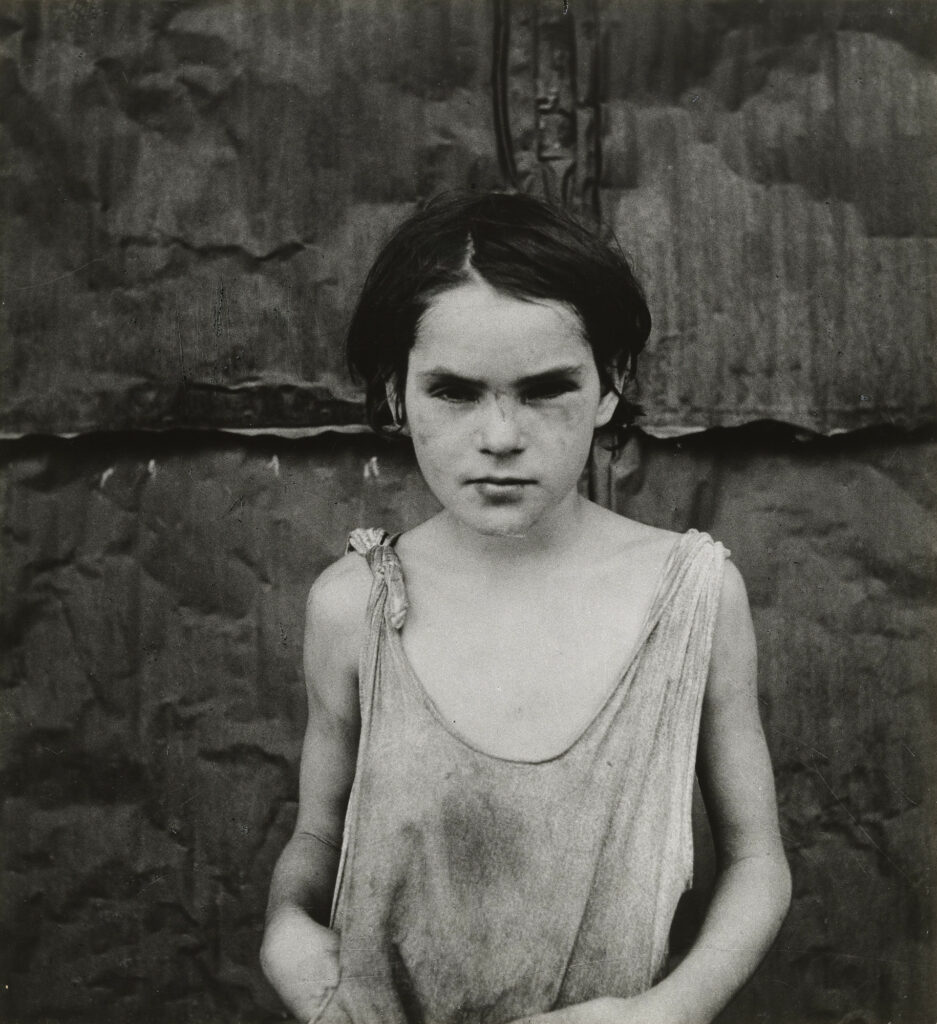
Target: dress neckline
x,y
651,617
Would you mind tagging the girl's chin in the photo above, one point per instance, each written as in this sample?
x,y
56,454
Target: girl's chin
x,y
535,511
506,531
500,522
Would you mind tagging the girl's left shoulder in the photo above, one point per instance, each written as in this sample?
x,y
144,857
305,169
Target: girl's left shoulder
x,y
644,552
635,546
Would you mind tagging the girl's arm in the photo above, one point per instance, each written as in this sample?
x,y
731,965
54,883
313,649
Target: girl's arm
x,y
753,886
299,954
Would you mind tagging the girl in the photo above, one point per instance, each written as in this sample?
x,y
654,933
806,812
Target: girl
x,y
504,703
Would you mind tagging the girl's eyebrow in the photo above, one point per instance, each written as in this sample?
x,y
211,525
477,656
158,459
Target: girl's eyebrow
x,y
441,375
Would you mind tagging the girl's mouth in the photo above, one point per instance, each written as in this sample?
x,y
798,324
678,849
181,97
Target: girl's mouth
x,y
502,488
502,481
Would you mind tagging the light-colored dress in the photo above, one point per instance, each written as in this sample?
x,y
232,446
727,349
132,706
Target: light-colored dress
x,y
475,889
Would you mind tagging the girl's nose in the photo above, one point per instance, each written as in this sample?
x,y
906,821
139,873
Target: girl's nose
x,y
500,432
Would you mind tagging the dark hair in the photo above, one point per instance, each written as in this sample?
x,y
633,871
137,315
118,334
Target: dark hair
x,y
520,246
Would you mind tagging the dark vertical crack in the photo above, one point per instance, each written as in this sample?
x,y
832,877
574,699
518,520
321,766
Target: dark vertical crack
x,y
572,175
595,101
499,90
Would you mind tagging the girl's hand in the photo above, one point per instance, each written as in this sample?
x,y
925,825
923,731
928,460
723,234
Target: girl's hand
x,y
642,1009
300,960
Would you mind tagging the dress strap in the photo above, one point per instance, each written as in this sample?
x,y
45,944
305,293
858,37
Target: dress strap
x,y
364,539
377,546
387,604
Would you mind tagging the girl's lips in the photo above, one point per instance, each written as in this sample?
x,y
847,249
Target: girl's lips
x,y
502,481
502,489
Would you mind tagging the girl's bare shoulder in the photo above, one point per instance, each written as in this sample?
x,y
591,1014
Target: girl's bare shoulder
x,y
335,630
338,597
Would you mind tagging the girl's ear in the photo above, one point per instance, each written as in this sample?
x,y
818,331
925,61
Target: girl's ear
x,y
610,397
395,406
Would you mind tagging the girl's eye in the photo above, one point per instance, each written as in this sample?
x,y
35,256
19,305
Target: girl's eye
x,y
454,394
548,391
459,394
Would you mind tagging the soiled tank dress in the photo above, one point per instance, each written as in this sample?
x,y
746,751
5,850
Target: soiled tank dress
x,y
476,889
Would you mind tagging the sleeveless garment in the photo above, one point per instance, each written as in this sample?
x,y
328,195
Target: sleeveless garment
x,y
476,889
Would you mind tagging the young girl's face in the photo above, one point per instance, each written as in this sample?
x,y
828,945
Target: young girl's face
x,y
502,398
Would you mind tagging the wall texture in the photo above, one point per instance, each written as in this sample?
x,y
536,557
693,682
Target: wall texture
x,y
153,708
837,542
153,704
193,190
191,193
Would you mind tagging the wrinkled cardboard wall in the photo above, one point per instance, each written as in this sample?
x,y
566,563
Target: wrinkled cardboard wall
x,y
195,190
153,704
153,708
191,193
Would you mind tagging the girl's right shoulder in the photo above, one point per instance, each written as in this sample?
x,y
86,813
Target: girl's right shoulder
x,y
335,632
338,598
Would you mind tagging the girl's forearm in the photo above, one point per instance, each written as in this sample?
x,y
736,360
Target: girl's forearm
x,y
304,877
749,904
750,901
299,955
